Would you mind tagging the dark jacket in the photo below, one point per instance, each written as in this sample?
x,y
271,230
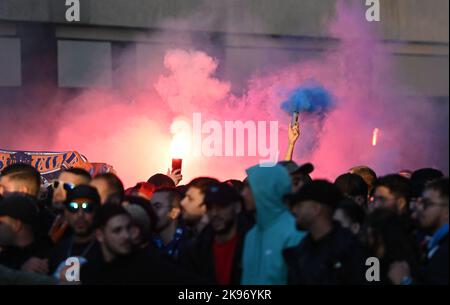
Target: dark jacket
x,y
337,258
143,267
199,257
181,241
67,248
435,269
14,257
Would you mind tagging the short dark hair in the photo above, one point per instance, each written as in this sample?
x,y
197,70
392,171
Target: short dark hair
x,y
202,183
105,212
397,184
113,182
421,177
173,194
161,180
440,185
79,172
352,185
352,211
24,172
238,185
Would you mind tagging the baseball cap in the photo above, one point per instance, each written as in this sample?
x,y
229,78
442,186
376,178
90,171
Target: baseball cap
x,y
139,216
321,191
294,168
221,194
83,191
21,207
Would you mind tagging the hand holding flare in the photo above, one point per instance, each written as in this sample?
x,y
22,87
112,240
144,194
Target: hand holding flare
x,y
293,134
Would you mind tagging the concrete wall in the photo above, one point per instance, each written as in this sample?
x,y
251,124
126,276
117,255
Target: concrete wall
x,y
416,31
406,20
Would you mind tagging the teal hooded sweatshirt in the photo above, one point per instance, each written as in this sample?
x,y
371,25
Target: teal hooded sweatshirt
x,y
275,230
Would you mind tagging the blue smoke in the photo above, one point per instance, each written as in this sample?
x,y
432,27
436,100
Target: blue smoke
x,y
310,98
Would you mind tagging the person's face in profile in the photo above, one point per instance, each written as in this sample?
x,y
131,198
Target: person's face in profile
x,y
193,206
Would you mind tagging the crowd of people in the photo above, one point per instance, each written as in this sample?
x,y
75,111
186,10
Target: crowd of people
x,y
278,226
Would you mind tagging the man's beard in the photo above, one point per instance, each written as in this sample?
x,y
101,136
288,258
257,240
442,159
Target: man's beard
x,y
85,233
301,226
227,227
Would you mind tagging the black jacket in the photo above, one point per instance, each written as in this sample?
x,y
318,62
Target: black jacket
x,y
143,267
338,258
199,257
14,257
66,248
435,269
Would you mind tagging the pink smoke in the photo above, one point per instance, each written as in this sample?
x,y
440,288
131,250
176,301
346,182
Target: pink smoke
x,y
134,136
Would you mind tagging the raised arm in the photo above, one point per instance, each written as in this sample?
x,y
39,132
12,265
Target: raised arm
x,y
293,134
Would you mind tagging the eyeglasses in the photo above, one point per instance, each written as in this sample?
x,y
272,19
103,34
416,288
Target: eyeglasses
x,y
74,207
66,185
425,203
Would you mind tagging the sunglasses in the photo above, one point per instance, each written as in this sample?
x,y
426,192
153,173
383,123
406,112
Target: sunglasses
x,y
66,185
74,207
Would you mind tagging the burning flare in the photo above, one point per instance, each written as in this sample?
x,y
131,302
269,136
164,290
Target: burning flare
x,y
375,136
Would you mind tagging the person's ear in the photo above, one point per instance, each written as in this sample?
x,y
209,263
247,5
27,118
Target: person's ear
x,y
238,208
16,225
355,228
174,213
401,204
99,236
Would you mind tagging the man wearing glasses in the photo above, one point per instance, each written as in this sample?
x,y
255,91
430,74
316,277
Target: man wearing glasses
x,y
79,208
391,192
67,180
433,214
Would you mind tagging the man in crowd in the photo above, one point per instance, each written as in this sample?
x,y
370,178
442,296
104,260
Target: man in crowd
x,y
141,226
433,217
171,236
392,192
20,178
24,178
329,254
274,230
350,215
299,174
354,187
67,180
419,179
368,174
80,205
216,254
21,250
193,207
109,187
120,264
388,239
